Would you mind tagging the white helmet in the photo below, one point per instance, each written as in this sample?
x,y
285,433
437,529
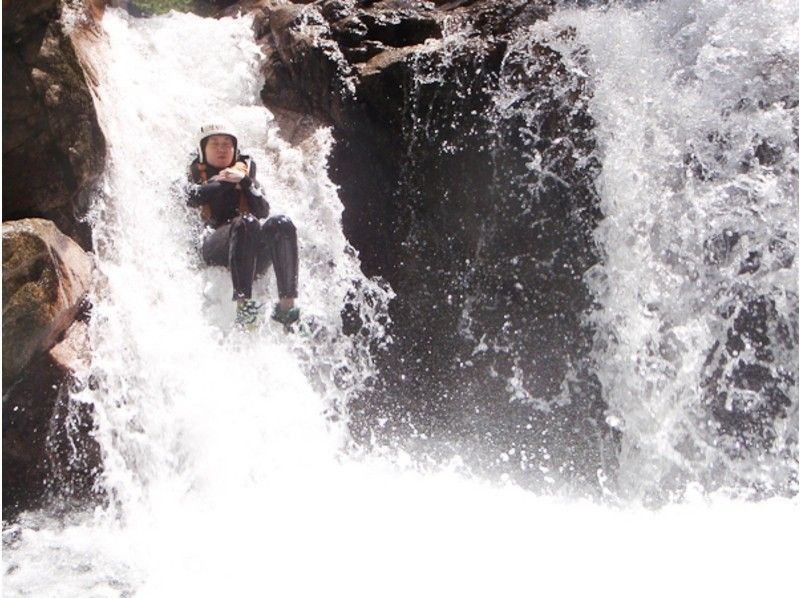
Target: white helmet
x,y
216,128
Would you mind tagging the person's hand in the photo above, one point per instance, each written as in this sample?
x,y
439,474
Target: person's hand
x,y
230,175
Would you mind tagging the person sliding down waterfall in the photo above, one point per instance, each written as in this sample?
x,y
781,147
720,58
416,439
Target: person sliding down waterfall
x,y
239,232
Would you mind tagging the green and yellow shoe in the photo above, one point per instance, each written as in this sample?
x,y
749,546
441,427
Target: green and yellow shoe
x,y
248,314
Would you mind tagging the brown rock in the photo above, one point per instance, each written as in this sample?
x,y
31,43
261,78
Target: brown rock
x,y
53,149
17,14
73,353
46,276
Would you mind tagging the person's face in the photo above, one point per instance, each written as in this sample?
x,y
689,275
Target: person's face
x,y
219,151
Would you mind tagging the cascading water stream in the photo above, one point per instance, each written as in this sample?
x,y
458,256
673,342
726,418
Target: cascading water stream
x,y
182,398
696,326
223,468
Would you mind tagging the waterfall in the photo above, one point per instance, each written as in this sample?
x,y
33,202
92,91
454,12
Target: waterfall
x,y
696,329
224,472
193,395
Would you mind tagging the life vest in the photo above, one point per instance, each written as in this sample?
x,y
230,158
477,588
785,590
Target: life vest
x,y
242,207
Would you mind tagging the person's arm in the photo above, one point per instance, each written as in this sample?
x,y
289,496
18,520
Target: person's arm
x,y
258,204
199,195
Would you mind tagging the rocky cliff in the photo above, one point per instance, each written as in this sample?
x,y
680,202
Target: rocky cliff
x,y
47,441
53,149
465,160
53,155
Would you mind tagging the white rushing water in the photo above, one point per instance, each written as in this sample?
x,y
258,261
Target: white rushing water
x,y
222,451
695,107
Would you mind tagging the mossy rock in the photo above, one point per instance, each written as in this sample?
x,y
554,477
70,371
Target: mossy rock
x,y
159,7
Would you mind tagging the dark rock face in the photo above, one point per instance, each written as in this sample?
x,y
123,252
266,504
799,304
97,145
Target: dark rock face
x,y
48,448
746,396
465,159
53,149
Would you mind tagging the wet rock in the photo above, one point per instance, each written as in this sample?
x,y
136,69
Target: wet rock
x,y
349,32
748,392
337,10
313,50
364,51
400,28
718,249
53,149
768,153
49,451
302,55
465,164
53,153
46,276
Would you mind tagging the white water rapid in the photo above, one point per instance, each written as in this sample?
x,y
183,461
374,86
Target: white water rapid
x,y
224,467
695,105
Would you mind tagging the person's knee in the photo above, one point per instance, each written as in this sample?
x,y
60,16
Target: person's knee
x,y
245,225
285,223
282,225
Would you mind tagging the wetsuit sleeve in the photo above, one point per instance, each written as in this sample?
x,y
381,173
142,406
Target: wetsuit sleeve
x,y
258,204
193,198
198,195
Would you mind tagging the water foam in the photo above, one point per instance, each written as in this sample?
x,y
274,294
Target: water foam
x,y
696,327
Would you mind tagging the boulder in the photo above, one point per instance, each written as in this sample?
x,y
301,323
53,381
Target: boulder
x,y
53,149
46,276
299,47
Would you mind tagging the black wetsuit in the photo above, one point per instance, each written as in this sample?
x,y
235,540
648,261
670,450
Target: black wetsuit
x,y
239,240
